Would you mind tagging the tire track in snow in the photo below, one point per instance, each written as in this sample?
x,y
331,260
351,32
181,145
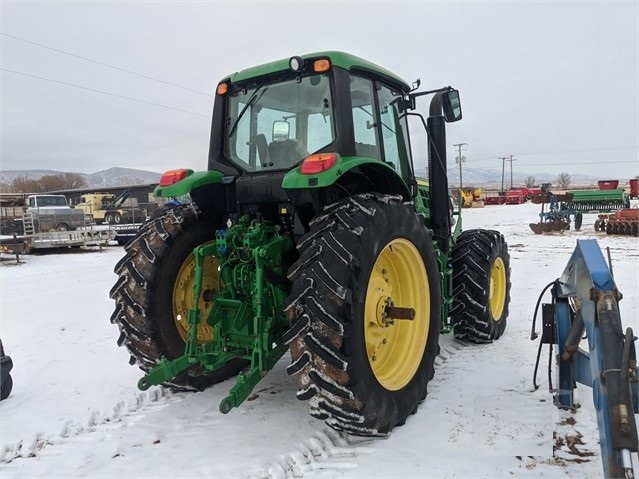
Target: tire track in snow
x,y
124,414
330,450
326,450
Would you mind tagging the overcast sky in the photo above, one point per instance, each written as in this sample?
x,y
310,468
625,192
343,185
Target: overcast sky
x,y
553,84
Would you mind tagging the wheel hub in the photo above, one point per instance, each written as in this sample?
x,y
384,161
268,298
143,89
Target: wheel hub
x,y
183,297
497,292
397,314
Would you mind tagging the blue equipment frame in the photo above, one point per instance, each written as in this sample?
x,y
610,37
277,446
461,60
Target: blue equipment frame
x,y
586,299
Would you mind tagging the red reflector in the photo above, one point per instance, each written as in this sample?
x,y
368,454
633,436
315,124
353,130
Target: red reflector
x,y
317,163
173,176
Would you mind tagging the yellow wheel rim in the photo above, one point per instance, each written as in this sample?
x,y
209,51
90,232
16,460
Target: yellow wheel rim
x,y
497,289
395,348
183,296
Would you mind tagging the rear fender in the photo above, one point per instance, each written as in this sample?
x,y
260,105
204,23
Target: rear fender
x,y
383,177
192,181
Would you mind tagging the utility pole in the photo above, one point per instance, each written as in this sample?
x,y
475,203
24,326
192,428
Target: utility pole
x,y
503,165
460,159
511,170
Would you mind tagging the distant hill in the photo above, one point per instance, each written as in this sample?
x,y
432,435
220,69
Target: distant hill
x,y
111,177
481,177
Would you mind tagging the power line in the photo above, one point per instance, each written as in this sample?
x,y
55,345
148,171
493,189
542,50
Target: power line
x,y
559,164
584,163
104,92
142,75
590,150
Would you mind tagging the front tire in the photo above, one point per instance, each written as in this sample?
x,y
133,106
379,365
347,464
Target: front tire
x,y
481,286
154,292
7,381
361,370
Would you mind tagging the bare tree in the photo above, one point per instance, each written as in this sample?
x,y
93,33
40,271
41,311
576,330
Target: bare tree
x,y
49,183
563,180
22,184
530,181
64,181
73,181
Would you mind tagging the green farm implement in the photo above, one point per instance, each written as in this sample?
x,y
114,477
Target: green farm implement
x,y
557,210
310,233
596,201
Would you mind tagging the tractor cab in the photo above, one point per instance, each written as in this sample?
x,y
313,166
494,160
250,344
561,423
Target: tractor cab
x,y
325,103
309,115
298,134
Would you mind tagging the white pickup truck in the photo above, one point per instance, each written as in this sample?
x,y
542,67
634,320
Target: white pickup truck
x,y
52,213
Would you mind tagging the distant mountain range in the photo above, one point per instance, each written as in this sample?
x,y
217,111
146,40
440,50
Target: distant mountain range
x,y
491,178
130,176
104,178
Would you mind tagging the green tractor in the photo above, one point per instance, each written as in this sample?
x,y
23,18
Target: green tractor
x,y
309,232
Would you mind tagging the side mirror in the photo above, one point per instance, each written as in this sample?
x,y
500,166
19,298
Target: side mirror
x,y
452,106
281,130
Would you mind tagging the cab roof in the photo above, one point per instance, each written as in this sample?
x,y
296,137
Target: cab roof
x,y
343,60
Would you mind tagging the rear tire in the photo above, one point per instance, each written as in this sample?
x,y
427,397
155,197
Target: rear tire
x,y
6,387
7,380
481,286
154,287
579,217
360,373
113,218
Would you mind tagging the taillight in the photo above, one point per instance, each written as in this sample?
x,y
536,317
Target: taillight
x,y
317,163
173,176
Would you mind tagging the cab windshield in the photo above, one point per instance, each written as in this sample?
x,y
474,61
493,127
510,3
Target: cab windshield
x,y
276,125
41,201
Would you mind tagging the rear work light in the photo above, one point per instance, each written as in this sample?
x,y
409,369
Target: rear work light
x,y
317,163
222,89
173,176
320,66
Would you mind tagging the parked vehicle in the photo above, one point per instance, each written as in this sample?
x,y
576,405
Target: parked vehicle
x,y
516,196
107,208
50,213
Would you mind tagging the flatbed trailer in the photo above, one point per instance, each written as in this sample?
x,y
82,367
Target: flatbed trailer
x,y
26,244
123,233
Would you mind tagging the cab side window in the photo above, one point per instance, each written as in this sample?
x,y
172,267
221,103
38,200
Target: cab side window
x,y
394,130
364,118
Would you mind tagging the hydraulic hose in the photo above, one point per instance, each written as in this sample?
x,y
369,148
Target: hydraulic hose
x,y
534,335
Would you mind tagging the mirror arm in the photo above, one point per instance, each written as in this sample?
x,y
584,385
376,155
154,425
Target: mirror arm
x,y
410,98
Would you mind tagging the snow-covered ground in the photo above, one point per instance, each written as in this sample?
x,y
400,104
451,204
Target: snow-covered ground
x,y
75,410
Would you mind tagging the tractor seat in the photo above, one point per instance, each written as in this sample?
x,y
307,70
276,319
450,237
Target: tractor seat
x,y
283,154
